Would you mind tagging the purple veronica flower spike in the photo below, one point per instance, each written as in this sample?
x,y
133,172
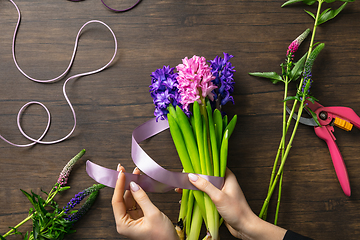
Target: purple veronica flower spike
x,y
223,71
92,191
307,81
164,91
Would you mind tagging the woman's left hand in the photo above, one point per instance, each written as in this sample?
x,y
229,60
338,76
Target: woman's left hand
x,y
136,216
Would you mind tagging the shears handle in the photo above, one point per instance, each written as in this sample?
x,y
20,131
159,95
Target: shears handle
x,y
338,162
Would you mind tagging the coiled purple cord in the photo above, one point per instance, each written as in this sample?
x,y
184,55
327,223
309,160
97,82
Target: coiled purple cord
x,y
33,140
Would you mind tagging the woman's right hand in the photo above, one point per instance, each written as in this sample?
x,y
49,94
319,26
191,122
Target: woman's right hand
x,y
233,207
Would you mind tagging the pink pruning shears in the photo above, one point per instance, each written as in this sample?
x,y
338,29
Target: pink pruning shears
x,y
328,117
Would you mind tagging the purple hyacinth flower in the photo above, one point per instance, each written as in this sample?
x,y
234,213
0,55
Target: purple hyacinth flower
x,y
223,71
163,90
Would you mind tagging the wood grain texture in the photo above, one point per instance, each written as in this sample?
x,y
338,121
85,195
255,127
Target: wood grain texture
x,y
111,104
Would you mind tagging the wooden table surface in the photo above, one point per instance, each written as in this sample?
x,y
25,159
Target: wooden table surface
x,y
111,104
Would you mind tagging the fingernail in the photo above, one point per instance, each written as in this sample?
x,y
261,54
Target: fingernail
x,y
136,168
118,167
193,177
119,173
134,187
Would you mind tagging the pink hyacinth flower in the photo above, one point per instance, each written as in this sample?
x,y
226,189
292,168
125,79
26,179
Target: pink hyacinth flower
x,y
194,75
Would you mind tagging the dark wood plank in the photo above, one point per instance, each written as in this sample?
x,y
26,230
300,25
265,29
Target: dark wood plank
x,y
110,104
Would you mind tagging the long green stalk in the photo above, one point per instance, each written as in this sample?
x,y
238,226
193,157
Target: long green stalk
x,y
288,147
180,146
184,205
190,207
286,126
195,223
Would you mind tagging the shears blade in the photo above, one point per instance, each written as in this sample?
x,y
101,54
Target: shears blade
x,y
306,121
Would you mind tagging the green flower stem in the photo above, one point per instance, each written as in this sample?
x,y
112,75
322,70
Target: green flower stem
x,y
206,142
279,198
285,129
50,197
185,132
179,143
190,206
181,147
189,139
199,137
210,207
206,158
184,204
214,147
314,28
288,147
224,153
218,122
195,223
282,145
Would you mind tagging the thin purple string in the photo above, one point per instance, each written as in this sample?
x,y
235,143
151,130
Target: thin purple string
x,y
112,9
122,10
33,140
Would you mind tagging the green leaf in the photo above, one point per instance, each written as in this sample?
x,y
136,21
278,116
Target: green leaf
x,y
311,99
2,238
189,137
272,76
40,203
36,229
230,127
224,153
308,2
314,116
225,121
16,232
328,14
180,144
290,2
311,14
31,198
289,98
213,140
64,188
172,111
297,70
218,122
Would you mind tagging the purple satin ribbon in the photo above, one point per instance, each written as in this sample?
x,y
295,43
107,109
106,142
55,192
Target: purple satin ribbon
x,y
155,178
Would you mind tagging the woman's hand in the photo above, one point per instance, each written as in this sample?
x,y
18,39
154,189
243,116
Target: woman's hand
x,y
136,216
233,207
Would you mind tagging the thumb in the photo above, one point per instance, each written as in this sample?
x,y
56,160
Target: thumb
x,y
142,199
205,186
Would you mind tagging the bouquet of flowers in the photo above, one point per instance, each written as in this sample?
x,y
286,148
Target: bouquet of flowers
x,y
292,71
191,99
57,223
